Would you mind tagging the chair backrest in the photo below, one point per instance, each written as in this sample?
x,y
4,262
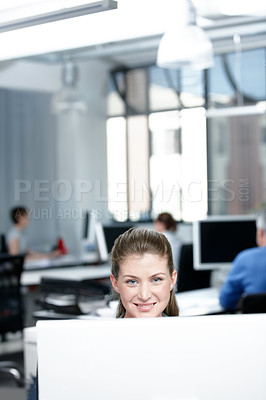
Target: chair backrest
x,y
11,304
66,295
188,278
254,303
3,245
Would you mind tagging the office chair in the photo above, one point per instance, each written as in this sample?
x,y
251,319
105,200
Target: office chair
x,y
254,303
66,296
11,307
3,245
187,277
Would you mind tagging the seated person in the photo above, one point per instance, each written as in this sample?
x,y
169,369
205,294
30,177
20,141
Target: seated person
x,y
143,274
166,224
248,272
16,241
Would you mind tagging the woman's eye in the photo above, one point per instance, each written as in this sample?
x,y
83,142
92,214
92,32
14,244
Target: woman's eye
x,y
131,282
157,280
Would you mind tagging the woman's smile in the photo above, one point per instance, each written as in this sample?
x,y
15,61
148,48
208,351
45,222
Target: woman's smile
x,y
144,307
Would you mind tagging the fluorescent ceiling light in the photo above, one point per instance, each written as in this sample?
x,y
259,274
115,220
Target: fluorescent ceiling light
x,y
41,12
88,30
131,21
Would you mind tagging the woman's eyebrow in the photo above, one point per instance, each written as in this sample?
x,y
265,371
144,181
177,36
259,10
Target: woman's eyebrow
x,y
136,277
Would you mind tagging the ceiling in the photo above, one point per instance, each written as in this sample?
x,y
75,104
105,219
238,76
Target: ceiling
x,y
141,51
150,19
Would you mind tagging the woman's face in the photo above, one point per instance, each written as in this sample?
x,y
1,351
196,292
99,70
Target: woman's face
x,y
24,220
159,226
144,285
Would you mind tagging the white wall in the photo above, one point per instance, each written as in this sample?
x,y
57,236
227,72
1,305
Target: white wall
x,y
29,75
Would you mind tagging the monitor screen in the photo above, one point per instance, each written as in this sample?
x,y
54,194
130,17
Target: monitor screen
x,y
89,221
218,239
101,242
86,225
112,232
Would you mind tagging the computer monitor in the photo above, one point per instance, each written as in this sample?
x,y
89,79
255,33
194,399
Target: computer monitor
x,y
101,243
89,221
111,232
86,224
218,239
212,357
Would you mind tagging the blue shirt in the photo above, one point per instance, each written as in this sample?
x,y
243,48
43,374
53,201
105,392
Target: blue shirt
x,y
247,276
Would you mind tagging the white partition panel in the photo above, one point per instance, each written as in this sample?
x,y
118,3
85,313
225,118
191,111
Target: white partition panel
x,y
197,358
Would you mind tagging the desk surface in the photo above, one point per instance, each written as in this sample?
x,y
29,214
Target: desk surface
x,y
29,278
199,302
61,261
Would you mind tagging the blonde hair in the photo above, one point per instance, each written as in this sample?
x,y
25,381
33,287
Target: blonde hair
x,y
141,241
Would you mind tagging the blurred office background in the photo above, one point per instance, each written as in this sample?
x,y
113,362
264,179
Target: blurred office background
x,y
93,120
138,139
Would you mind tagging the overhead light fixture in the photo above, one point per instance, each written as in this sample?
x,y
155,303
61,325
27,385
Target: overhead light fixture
x,y
187,45
69,97
44,11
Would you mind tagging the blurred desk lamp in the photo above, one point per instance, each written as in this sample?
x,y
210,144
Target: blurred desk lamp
x,y
186,45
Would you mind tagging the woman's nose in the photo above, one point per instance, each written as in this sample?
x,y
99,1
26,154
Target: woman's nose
x,y
144,292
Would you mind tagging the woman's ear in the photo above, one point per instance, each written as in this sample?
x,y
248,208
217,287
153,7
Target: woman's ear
x,y
173,279
260,237
114,283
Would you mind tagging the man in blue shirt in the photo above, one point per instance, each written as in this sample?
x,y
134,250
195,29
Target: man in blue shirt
x,y
248,272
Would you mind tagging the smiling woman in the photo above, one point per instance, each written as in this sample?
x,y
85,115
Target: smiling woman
x,y
143,274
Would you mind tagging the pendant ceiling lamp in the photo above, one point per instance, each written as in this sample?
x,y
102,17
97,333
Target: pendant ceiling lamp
x,y
69,97
185,45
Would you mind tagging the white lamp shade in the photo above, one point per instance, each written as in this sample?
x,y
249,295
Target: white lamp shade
x,y
68,99
185,47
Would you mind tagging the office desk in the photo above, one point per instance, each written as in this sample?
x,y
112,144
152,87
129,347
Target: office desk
x,y
29,278
199,302
64,260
